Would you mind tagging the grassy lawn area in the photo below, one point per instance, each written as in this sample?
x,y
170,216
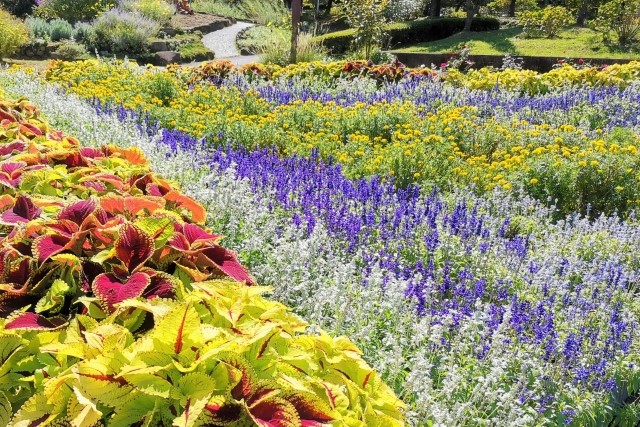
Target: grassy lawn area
x,y
574,42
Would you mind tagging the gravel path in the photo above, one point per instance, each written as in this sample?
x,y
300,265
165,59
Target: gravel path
x,y
223,42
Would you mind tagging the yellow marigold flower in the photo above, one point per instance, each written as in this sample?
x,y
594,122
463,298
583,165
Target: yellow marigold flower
x,y
533,181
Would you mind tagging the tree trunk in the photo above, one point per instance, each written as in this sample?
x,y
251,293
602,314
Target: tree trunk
x,y
471,11
512,8
435,7
296,13
582,13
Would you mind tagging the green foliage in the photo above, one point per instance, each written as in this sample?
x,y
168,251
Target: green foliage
x,y
121,31
54,30
263,12
502,6
546,22
18,7
277,50
254,38
195,51
367,17
621,18
400,33
83,32
71,50
13,34
157,10
222,355
74,10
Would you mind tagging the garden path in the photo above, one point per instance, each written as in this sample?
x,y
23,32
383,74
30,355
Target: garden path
x,y
223,43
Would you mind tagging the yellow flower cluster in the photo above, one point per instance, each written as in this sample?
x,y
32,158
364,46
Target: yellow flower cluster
x,y
447,147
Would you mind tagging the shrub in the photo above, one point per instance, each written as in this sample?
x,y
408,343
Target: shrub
x,y
410,32
70,50
74,10
120,31
13,33
621,18
544,23
55,30
18,7
59,29
278,50
38,27
157,10
367,17
83,32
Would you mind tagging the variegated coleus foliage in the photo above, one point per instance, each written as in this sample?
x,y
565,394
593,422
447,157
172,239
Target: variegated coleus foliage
x,y
118,316
223,356
82,229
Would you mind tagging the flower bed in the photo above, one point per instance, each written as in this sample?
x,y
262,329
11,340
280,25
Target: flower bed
x,y
119,307
560,148
475,310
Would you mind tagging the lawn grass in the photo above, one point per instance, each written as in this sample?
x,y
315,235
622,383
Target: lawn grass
x,y
574,42
258,11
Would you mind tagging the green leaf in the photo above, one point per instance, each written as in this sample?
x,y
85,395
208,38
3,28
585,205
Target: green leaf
x,y
81,411
160,228
141,408
53,300
5,410
179,330
147,379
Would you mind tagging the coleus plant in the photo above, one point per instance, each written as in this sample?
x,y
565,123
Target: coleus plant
x,y
82,229
115,314
223,356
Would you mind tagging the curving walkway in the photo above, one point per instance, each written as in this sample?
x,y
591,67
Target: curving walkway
x,y
223,43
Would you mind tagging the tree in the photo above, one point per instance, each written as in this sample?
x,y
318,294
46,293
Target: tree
x,y
622,17
368,19
471,7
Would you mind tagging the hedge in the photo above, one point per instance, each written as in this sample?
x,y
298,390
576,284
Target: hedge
x,y
422,30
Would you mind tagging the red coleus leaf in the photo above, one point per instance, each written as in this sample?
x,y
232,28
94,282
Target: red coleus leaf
x,y
228,263
133,246
44,247
33,321
110,290
90,152
100,187
160,287
274,412
13,147
194,233
72,159
11,173
106,178
223,414
16,267
30,130
78,212
24,210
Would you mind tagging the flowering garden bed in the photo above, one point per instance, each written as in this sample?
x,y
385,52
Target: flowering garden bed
x,y
428,217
